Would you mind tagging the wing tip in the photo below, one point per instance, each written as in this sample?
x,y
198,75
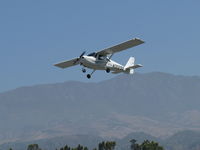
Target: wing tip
x,y
57,65
142,41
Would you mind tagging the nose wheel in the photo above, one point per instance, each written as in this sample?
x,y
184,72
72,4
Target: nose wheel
x,y
90,75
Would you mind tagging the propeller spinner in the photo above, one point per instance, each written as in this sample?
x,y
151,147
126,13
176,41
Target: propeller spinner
x,y
78,59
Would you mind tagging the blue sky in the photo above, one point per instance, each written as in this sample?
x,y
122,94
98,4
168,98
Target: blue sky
x,y
34,34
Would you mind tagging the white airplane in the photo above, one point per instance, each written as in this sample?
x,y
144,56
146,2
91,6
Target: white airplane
x,y
101,60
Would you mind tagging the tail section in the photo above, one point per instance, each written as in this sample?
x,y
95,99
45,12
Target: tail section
x,y
130,66
130,62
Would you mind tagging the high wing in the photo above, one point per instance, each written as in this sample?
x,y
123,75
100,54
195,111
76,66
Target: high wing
x,y
120,47
67,63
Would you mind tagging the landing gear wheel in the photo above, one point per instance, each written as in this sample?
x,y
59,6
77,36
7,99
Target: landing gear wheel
x,y
88,76
108,70
84,70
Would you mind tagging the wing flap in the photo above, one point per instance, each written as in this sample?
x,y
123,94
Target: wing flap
x,y
66,64
121,47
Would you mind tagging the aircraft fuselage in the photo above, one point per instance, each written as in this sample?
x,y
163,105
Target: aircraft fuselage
x,y
100,64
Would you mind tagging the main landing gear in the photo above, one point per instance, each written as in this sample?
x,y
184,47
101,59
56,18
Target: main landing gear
x,y
108,70
83,70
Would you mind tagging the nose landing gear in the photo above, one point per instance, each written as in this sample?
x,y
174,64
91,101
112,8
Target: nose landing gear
x,y
90,75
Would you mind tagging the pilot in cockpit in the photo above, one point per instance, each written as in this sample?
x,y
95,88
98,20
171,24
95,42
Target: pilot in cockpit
x,y
99,57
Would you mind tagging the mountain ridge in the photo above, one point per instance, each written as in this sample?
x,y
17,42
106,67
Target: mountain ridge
x,y
156,103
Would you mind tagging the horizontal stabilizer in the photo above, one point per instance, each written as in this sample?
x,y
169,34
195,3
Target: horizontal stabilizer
x,y
134,66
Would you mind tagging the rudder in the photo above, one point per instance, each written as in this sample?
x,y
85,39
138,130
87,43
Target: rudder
x,y
130,62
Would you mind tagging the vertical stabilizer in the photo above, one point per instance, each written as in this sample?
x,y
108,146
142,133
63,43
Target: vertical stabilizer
x,y
130,63
128,66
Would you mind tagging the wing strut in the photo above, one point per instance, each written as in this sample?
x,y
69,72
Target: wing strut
x,y
111,56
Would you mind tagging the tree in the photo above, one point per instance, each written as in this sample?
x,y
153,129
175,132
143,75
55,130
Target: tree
x,y
66,147
85,148
33,147
134,145
80,147
109,145
146,145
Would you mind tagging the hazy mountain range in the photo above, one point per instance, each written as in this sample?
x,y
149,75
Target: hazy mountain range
x,y
156,103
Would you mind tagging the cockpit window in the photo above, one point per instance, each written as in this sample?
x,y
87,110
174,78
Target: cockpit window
x,y
101,57
92,54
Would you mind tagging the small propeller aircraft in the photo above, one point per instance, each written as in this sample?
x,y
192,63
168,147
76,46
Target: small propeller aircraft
x,y
101,60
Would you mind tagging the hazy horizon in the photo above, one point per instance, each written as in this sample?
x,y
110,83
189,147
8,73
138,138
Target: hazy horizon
x,y
88,81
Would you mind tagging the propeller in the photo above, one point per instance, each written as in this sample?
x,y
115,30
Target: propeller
x,y
78,59
82,54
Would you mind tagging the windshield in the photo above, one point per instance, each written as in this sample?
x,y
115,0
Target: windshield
x,y
92,54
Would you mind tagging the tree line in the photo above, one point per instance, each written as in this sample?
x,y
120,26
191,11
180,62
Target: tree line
x,y
107,145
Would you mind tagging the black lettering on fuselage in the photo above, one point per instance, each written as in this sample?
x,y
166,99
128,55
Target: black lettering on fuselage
x,y
117,66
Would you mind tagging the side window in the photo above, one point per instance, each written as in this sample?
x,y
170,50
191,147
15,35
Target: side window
x,y
101,57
